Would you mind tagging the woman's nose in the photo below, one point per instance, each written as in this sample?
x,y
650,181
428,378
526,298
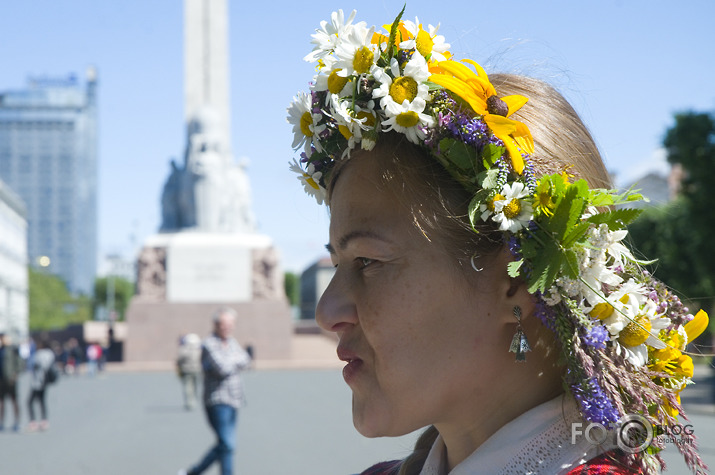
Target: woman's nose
x,y
336,309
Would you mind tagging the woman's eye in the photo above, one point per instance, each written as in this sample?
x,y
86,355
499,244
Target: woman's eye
x,y
364,262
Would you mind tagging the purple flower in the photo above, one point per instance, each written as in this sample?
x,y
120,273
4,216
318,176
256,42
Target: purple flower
x,y
544,312
597,337
595,405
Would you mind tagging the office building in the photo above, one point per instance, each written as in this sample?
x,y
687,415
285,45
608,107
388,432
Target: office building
x,y
48,156
14,308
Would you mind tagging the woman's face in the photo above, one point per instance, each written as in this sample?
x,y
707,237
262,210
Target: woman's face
x,y
420,341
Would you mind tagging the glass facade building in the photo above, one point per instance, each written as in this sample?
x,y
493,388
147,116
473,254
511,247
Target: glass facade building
x,y
48,156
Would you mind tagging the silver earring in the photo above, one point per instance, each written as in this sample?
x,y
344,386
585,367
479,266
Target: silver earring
x,y
519,344
474,265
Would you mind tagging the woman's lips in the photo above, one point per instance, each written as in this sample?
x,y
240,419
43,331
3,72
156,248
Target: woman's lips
x,y
354,363
351,370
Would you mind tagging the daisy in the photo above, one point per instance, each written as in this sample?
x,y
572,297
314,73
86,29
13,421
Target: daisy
x,y
595,274
408,119
619,308
610,242
352,121
306,127
356,54
310,180
513,212
641,332
487,209
333,83
428,43
327,38
409,86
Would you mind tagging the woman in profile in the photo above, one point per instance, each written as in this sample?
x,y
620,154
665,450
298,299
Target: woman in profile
x,y
482,288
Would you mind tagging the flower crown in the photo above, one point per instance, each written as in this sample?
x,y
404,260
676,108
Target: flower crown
x,y
622,332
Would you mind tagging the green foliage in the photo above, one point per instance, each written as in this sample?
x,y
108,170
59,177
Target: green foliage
x,y
123,292
553,248
51,304
679,234
291,282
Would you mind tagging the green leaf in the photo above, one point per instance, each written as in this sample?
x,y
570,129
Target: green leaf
x,y
616,219
480,197
568,210
600,198
393,34
462,155
513,267
490,154
570,263
576,233
529,248
546,266
488,178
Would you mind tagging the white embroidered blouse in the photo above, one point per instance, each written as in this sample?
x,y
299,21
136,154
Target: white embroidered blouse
x,y
539,442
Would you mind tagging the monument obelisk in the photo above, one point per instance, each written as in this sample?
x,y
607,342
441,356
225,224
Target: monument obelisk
x,y
207,253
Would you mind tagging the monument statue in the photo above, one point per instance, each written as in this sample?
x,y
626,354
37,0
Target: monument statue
x,y
207,252
209,193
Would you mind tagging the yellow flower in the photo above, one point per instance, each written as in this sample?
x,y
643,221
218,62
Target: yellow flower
x,y
697,325
475,89
544,200
670,409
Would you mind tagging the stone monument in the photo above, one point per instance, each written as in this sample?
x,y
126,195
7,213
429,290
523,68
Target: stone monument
x,y
207,253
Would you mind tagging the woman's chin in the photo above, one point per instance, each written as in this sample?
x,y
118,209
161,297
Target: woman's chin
x,y
373,425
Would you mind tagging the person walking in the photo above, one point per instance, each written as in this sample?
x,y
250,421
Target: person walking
x,y
188,366
222,360
10,368
42,363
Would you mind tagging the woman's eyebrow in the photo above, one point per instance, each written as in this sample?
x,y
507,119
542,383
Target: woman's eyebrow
x,y
345,240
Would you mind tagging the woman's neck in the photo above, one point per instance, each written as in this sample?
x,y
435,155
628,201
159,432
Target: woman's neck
x,y
467,431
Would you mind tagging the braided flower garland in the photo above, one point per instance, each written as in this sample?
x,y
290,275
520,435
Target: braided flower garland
x,y
622,332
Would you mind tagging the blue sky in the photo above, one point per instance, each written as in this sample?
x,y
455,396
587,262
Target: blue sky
x,y
626,66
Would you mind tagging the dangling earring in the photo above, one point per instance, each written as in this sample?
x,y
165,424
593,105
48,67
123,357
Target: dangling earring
x,y
519,344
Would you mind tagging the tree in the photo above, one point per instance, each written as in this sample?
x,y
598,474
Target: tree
x,y
291,282
51,304
123,292
680,233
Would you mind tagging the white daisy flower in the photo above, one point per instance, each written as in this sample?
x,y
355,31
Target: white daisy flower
x,y
352,121
306,127
642,331
513,212
333,83
328,37
610,242
619,308
487,209
428,43
616,249
594,274
408,119
396,88
356,54
310,180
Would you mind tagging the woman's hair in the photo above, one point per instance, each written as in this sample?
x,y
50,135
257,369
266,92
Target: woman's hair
x,y
439,205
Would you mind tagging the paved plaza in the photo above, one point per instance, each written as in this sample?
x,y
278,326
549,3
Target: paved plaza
x,y
297,421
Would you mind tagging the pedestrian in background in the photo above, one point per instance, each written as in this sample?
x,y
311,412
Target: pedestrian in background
x,y
188,367
222,360
10,369
94,355
43,362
